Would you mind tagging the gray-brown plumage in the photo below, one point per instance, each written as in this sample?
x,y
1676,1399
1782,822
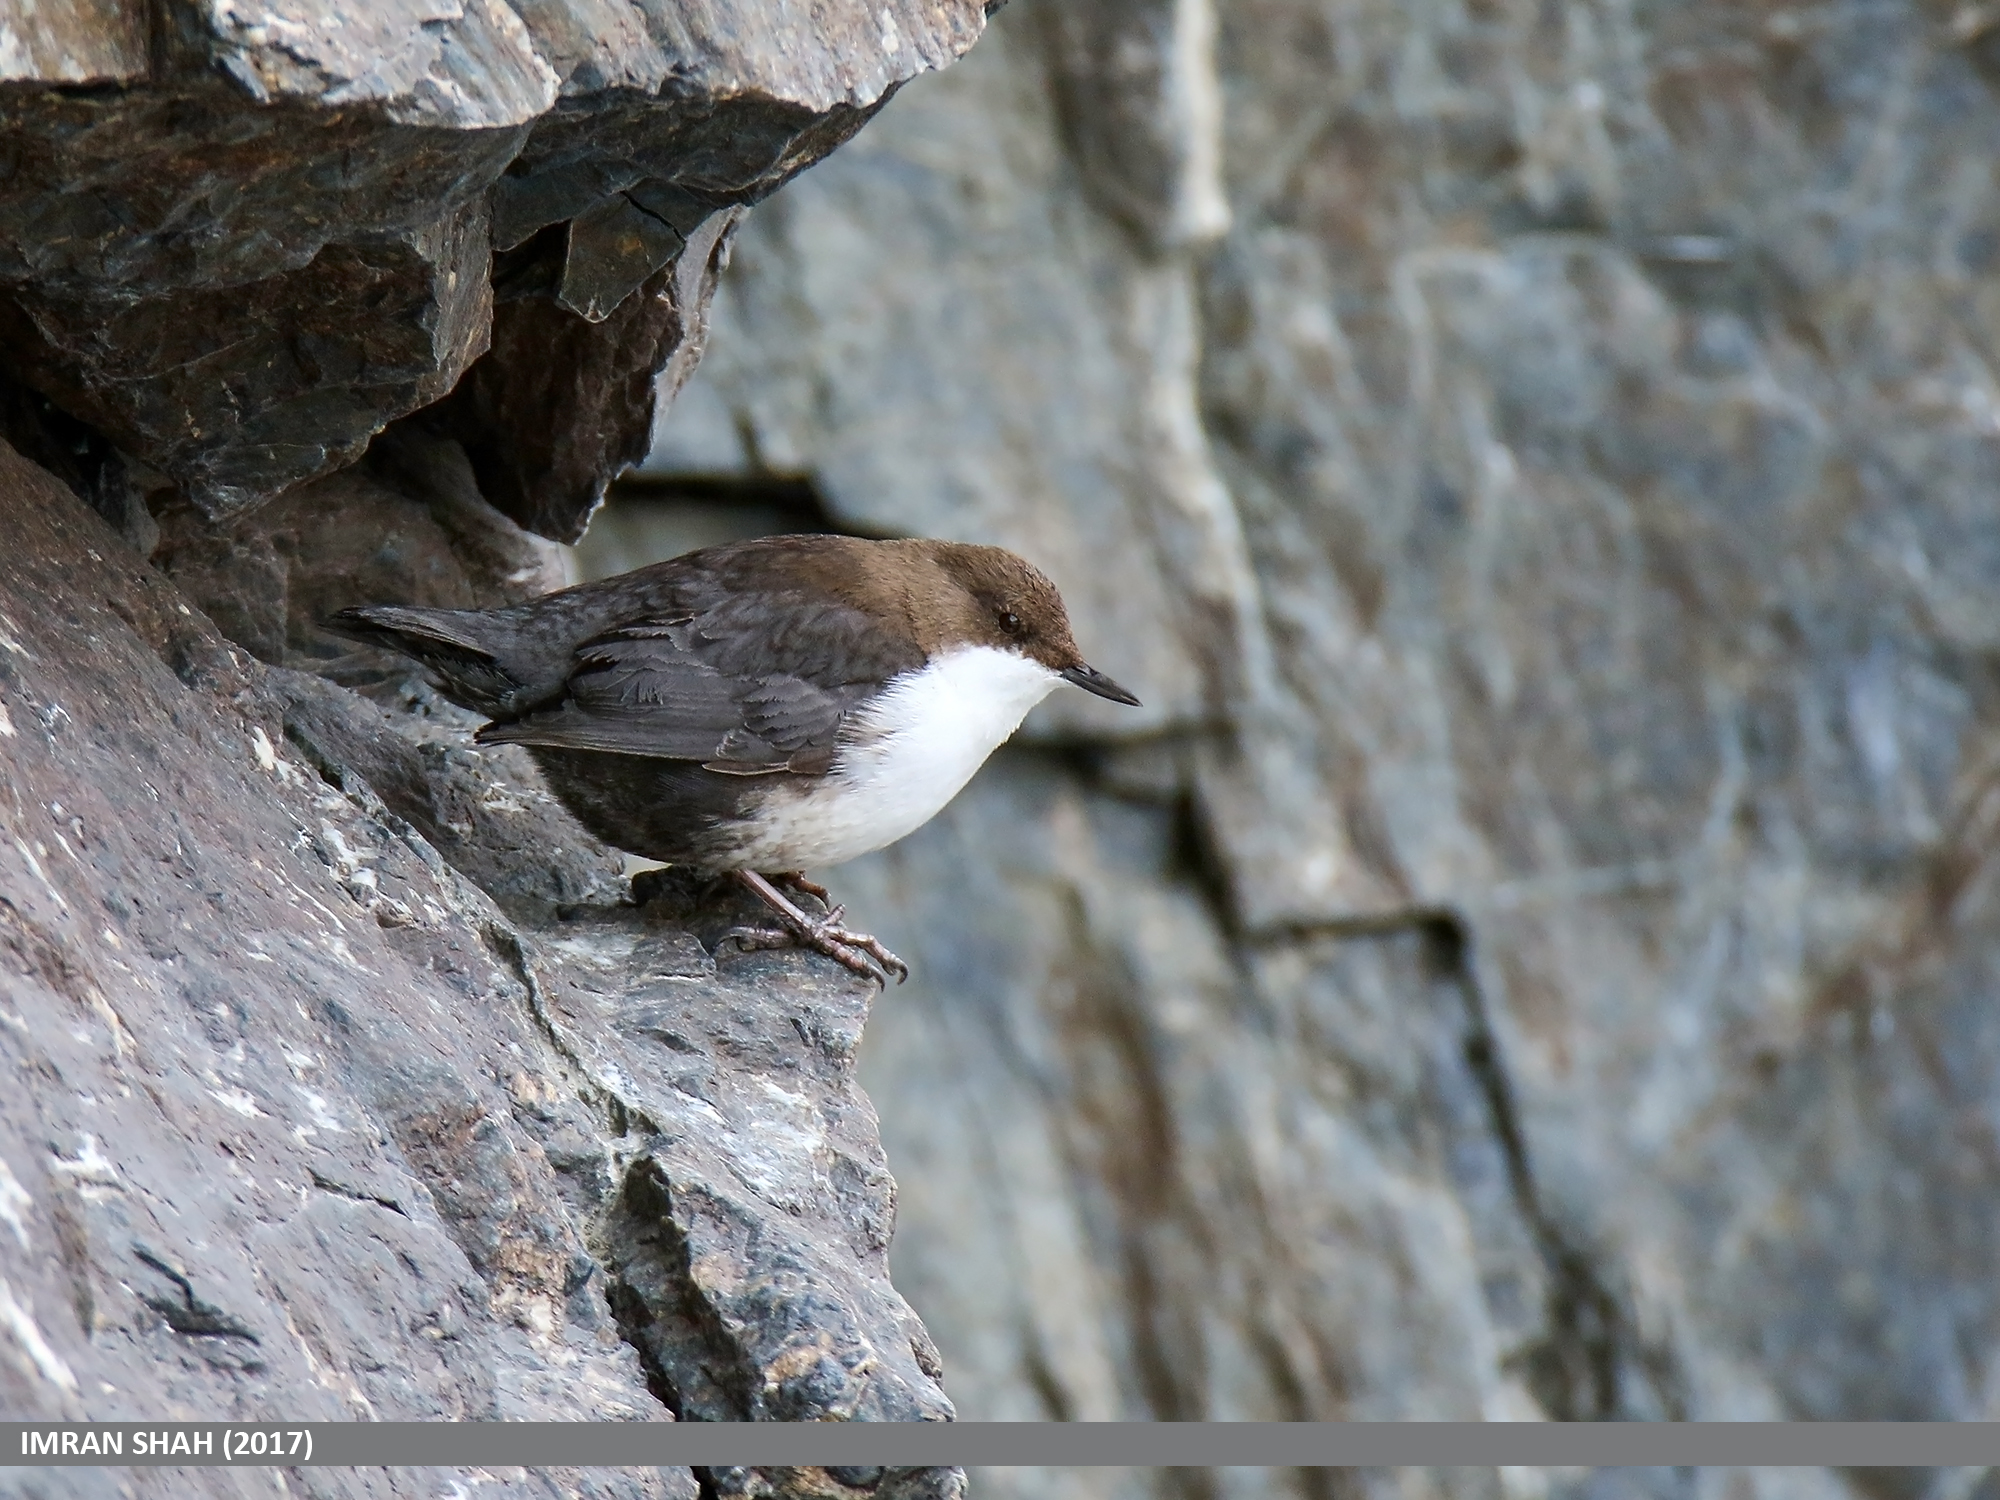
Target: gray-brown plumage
x,y
762,706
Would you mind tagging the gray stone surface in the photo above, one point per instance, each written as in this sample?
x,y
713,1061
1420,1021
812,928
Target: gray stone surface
x,y
1531,959
346,1081
262,234
1534,961
1037,365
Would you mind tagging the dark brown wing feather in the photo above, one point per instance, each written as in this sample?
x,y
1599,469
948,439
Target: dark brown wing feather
x,y
758,683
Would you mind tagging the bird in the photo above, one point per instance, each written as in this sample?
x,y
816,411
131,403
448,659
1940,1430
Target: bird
x,y
754,710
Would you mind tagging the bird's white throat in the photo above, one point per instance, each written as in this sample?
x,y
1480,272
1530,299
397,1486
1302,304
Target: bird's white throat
x,y
910,752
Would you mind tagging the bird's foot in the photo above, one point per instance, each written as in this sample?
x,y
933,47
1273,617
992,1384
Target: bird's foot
x,y
796,880
854,950
758,939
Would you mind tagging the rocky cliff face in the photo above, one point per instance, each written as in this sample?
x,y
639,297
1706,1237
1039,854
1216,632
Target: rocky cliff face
x,y
1530,958
237,245
1537,464
346,1078
350,1083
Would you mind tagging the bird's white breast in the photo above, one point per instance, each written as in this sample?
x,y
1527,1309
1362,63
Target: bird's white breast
x,y
909,752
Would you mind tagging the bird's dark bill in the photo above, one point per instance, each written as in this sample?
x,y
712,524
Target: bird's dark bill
x,y
1093,681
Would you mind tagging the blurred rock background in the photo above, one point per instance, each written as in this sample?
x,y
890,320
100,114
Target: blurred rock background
x,y
1535,954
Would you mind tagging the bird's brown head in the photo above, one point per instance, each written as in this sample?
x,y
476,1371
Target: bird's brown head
x,y
988,596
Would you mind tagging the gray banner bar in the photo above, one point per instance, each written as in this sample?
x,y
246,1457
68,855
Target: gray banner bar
x,y
918,1444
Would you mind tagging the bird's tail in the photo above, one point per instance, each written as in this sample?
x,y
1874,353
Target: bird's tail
x,y
443,641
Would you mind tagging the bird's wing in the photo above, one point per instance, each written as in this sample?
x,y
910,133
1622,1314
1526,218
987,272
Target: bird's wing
x,y
743,690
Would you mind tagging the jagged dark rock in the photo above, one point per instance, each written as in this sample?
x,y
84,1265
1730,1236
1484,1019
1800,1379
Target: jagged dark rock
x,y
560,403
351,1083
237,249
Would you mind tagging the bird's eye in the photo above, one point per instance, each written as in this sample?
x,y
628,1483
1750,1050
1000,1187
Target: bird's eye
x,y
1010,623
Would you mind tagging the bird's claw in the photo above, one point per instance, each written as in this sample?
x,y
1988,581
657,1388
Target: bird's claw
x,y
872,946
797,881
758,939
854,950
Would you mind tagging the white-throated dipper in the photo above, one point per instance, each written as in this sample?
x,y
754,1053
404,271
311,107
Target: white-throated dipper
x,y
760,708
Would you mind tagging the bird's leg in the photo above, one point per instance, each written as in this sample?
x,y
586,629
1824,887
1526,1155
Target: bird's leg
x,y
822,934
796,880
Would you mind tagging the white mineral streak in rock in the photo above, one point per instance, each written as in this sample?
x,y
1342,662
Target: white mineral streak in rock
x,y
15,59
20,1324
88,1165
1194,97
83,43
14,1200
444,64
237,1102
41,875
